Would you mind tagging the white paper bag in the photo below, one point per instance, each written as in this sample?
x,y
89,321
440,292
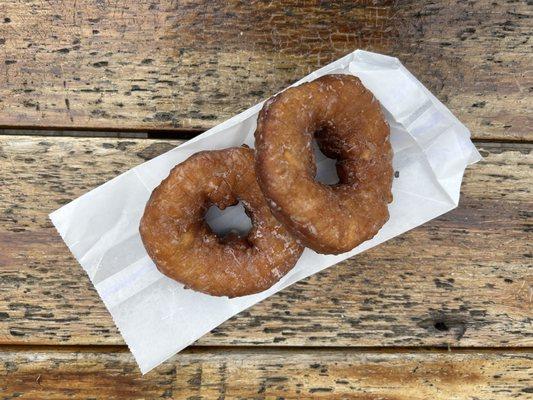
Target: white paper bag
x,y
158,317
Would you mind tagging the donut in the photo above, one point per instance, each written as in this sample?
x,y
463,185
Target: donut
x,y
348,125
183,246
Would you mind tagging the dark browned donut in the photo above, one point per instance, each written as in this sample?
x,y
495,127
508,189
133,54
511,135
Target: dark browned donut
x,y
348,124
183,246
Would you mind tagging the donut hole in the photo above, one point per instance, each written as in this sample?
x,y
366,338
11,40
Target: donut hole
x,y
326,170
231,220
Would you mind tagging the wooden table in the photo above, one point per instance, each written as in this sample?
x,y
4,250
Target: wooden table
x,y
91,88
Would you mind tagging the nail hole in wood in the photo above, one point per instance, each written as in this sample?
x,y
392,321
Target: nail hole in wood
x,y
441,326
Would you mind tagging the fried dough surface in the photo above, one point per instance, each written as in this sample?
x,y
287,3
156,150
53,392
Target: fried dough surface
x,y
182,244
349,126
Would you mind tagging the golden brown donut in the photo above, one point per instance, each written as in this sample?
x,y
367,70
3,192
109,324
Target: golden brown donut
x,y
348,124
183,246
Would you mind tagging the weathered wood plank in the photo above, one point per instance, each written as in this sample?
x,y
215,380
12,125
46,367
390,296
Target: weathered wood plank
x,y
461,49
184,65
462,280
260,374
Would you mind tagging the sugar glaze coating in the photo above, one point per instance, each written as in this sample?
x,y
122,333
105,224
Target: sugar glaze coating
x,y
348,124
184,247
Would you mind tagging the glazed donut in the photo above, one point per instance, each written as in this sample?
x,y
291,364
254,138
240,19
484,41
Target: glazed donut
x,y
348,125
183,246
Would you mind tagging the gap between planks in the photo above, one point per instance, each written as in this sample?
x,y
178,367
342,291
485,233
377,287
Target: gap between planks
x,y
163,134
176,134
200,349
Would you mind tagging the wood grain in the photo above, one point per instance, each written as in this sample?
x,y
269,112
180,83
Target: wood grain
x,y
267,374
463,279
133,65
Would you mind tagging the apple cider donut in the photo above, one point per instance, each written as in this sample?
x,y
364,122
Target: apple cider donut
x,y
348,125
183,246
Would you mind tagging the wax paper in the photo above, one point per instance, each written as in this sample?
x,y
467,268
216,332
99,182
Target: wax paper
x,y
158,317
